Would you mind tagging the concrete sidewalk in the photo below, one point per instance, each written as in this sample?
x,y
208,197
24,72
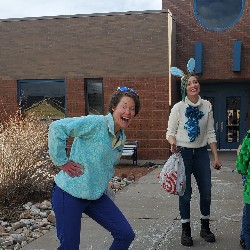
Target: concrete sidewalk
x,y
154,215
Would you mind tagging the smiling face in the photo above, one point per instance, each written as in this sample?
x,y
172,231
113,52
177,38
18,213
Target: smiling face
x,y
193,87
124,113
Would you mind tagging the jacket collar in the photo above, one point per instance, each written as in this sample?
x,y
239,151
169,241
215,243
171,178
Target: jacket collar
x,y
116,142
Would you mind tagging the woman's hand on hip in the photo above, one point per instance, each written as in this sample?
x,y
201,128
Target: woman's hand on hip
x,y
72,169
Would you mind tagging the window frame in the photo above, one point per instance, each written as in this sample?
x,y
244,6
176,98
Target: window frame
x,y
218,29
86,82
36,81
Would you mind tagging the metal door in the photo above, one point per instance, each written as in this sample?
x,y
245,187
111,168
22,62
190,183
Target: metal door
x,y
230,114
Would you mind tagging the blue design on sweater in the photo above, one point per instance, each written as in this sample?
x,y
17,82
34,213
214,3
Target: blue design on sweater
x,y
192,125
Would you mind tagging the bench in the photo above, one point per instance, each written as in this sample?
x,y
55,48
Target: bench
x,y
130,149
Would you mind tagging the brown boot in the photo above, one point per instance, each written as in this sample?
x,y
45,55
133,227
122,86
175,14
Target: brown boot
x,y
205,231
186,238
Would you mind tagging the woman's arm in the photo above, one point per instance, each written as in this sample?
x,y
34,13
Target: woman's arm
x,y
172,129
217,163
61,130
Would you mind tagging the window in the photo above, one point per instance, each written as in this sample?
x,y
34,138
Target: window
x,y
233,104
45,98
94,96
218,14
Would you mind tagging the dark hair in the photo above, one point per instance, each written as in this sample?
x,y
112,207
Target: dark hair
x,y
117,96
193,74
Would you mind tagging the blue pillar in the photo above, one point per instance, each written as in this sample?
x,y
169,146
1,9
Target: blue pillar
x,y
237,56
198,57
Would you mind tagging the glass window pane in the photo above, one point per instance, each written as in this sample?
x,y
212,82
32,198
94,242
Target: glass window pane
x,y
43,97
218,14
94,96
233,118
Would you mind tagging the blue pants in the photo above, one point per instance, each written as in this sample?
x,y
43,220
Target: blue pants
x,y
243,225
247,227
243,222
197,162
68,212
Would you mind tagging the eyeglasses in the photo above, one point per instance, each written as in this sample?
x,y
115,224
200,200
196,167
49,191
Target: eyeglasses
x,y
126,89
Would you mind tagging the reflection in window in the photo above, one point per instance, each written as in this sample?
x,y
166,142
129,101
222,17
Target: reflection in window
x,y
45,98
94,96
218,14
233,119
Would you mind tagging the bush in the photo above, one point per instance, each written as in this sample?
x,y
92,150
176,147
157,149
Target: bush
x,y
25,167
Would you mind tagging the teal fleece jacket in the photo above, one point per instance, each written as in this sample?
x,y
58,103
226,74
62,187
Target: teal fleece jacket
x,y
95,147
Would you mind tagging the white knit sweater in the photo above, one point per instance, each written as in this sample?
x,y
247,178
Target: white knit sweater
x,y
177,120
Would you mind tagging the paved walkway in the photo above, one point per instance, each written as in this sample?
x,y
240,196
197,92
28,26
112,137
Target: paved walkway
x,y
155,218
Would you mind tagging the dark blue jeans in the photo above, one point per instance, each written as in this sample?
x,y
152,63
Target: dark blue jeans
x,y
197,162
244,221
68,212
247,227
243,224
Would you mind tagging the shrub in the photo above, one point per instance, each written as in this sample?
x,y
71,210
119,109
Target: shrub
x,y
25,167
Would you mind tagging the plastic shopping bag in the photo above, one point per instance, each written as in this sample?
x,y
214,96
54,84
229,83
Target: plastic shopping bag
x,y
172,176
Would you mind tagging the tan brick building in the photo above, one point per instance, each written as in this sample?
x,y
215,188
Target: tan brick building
x,y
78,61
128,49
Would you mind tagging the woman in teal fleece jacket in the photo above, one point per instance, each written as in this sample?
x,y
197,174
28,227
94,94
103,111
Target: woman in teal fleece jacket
x,y
243,168
80,185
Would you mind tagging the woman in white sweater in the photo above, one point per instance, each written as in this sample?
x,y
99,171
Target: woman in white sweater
x,y
190,129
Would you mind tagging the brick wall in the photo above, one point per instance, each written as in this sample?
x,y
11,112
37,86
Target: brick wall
x,y
8,98
124,49
149,127
75,99
218,46
132,44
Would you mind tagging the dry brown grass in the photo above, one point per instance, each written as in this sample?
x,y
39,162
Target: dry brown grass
x,y
24,162
26,171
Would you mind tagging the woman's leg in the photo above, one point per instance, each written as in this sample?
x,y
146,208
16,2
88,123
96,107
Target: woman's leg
x,y
202,174
107,214
247,228
68,212
184,201
243,227
243,222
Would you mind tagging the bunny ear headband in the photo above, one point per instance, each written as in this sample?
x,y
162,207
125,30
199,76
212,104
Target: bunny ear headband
x,y
184,78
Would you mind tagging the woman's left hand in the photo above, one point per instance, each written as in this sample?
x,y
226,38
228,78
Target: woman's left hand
x,y
175,149
217,165
72,169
